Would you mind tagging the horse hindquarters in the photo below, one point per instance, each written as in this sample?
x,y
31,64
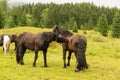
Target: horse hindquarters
x,y
81,57
6,44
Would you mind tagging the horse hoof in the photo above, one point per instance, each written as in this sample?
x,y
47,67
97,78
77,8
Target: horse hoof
x,y
77,70
45,66
22,63
68,64
64,67
34,66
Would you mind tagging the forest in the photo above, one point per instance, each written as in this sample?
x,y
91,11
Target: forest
x,y
84,16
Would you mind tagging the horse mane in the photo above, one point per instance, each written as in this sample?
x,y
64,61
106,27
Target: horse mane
x,y
66,32
63,31
46,36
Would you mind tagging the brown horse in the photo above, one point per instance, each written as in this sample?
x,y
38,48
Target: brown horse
x,y
76,44
13,39
36,42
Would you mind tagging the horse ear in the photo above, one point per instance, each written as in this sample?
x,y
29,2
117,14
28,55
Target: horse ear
x,y
56,34
57,27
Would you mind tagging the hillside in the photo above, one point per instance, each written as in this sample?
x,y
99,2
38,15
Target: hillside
x,y
103,57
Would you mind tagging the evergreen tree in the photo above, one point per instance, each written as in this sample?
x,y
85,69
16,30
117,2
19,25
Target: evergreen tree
x,y
44,18
15,20
75,28
71,23
90,24
10,22
116,26
2,20
4,8
102,25
23,20
28,19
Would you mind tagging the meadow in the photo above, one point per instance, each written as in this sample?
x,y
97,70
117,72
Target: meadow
x,y
103,57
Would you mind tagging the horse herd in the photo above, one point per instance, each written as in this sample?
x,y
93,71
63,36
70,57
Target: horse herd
x,y
40,41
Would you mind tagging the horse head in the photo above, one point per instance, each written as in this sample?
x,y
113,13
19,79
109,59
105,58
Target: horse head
x,y
61,39
56,30
13,38
62,31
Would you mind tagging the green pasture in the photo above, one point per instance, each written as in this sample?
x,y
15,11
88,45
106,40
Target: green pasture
x,y
103,57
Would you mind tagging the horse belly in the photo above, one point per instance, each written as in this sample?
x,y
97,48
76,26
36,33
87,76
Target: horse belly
x,y
29,45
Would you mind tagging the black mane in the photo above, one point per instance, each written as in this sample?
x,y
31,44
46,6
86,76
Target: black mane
x,y
62,31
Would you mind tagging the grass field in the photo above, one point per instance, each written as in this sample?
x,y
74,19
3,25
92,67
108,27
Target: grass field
x,y
103,57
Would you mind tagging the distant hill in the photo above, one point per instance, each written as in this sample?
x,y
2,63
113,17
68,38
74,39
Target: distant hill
x,y
15,3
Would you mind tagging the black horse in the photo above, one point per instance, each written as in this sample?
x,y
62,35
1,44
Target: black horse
x,y
76,44
36,42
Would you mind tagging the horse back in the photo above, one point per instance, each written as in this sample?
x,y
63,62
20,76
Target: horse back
x,y
74,42
26,39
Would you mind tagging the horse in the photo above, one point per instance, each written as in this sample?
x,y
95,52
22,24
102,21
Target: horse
x,y
36,42
76,44
13,39
5,41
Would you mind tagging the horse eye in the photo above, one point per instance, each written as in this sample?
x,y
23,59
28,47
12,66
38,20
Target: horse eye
x,y
60,35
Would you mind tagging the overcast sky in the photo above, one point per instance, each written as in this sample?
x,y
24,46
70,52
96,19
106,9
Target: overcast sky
x,y
107,3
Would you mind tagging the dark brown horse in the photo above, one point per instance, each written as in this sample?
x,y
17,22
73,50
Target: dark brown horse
x,y
76,44
13,39
36,42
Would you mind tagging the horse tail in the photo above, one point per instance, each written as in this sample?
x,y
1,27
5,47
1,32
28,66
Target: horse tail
x,y
19,39
81,57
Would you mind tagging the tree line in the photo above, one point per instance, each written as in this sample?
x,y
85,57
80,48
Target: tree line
x,y
85,16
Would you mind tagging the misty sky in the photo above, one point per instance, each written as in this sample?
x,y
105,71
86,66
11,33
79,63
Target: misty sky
x,y
107,3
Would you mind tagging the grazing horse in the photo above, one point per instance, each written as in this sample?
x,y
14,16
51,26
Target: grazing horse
x,y
13,38
5,41
36,42
76,44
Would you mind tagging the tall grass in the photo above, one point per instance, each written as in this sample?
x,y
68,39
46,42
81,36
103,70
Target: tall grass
x,y
103,58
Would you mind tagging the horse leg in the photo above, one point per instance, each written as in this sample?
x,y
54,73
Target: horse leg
x,y
22,51
8,46
45,61
64,58
36,57
69,57
4,47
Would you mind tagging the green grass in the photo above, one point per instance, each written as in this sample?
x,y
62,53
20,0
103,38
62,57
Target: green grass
x,y
103,58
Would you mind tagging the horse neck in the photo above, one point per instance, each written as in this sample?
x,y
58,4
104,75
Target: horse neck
x,y
66,35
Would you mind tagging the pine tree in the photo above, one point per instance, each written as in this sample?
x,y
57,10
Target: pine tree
x,y
15,20
2,20
75,28
11,22
116,26
90,24
102,25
